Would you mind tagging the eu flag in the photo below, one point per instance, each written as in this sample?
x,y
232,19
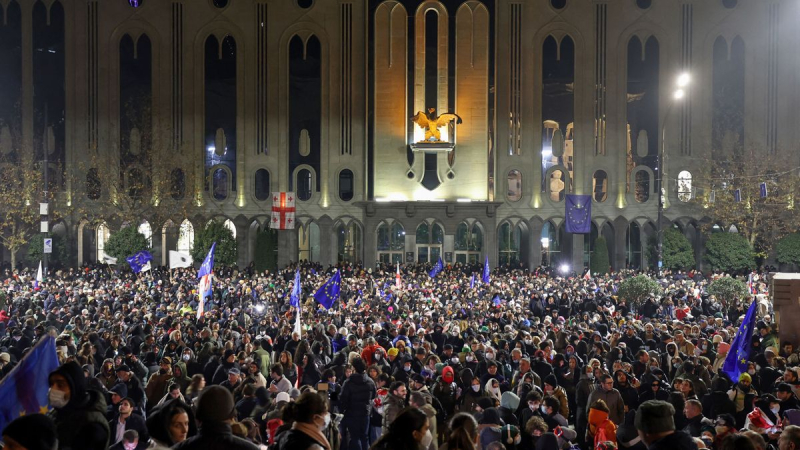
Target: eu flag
x,y
485,277
24,389
472,282
294,300
140,261
496,300
329,292
438,267
736,361
578,214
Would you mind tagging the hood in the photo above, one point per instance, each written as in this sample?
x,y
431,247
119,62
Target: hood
x,y
73,373
491,416
448,375
466,376
509,400
596,417
358,379
546,442
181,365
158,421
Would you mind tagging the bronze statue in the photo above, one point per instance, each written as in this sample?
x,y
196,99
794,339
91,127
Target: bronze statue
x,y
431,124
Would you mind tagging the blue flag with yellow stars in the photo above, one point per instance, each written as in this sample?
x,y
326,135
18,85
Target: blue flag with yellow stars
x,y
140,261
438,267
294,300
24,389
329,292
486,272
736,361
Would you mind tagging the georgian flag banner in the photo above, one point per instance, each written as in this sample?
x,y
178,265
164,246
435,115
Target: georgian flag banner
x,y
283,211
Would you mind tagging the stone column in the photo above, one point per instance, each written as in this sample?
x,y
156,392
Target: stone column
x,y
287,247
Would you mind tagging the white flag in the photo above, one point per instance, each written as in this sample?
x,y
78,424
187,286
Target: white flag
x,y
179,259
109,260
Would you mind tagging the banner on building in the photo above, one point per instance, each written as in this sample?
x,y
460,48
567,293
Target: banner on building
x,y
283,211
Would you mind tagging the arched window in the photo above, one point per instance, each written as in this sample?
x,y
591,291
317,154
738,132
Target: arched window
x,y
551,246
308,242
514,185
147,231
262,184
633,243
221,184
468,243
391,243
136,183
642,191
557,185
93,185
103,233
186,237
229,225
429,239
304,184
177,184
348,242
685,186
508,244
600,186
346,185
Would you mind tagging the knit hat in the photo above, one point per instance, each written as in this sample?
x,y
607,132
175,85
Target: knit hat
x,y
33,431
393,352
294,393
282,397
120,389
228,353
745,377
551,380
215,404
655,416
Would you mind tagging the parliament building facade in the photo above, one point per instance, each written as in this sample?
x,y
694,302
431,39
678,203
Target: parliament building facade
x,y
315,97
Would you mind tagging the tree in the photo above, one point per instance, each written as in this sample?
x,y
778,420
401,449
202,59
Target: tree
x,y
728,289
761,221
215,231
21,190
126,242
635,290
787,250
729,252
36,250
676,250
266,257
599,262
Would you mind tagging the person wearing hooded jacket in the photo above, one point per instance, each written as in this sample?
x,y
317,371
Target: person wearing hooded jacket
x,y
79,414
215,412
171,423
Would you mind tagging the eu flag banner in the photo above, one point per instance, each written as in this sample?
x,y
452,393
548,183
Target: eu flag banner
x,y
294,300
24,389
140,262
736,362
329,292
472,282
578,214
485,278
205,275
438,267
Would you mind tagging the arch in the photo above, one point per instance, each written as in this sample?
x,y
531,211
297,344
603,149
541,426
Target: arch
x,y
551,244
514,193
308,242
185,237
512,242
261,188
221,183
391,242
304,182
429,240
557,186
147,231
102,233
600,186
642,184
348,241
231,226
346,185
685,192
468,242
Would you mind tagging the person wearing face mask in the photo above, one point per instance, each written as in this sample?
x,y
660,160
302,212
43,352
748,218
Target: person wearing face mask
x,y
417,400
549,408
552,388
410,431
215,412
127,420
79,414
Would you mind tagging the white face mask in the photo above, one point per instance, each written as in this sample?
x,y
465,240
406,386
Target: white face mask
x,y
476,388
544,409
427,438
327,421
490,356
775,410
58,399
469,358
186,357
533,406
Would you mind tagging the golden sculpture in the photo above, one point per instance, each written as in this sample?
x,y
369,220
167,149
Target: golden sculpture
x,y
431,123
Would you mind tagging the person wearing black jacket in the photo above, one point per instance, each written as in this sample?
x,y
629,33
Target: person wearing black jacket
x,y
214,412
355,402
78,413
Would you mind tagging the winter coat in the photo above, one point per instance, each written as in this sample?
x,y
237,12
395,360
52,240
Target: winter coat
x,y
392,408
597,420
215,436
613,400
355,400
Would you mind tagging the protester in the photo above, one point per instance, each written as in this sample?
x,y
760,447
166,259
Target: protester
x,y
308,418
31,432
215,413
78,413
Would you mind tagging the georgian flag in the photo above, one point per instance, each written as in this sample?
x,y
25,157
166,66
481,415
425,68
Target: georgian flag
x,y
283,211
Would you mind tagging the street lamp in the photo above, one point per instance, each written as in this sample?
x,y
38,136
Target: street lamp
x,y
678,94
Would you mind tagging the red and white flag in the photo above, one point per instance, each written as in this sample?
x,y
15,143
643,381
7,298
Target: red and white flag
x,y
283,211
397,277
588,274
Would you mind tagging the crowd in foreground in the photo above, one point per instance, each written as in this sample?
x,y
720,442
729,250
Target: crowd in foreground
x,y
532,360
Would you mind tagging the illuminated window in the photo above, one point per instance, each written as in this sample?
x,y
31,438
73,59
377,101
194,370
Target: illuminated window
x,y
685,186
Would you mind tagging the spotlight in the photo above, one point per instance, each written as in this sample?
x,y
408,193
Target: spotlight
x,y
260,308
684,79
564,268
678,94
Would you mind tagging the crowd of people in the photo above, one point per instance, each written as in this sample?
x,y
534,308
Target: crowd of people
x,y
532,360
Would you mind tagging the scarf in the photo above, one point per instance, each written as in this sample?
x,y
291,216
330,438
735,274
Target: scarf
x,y
313,432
